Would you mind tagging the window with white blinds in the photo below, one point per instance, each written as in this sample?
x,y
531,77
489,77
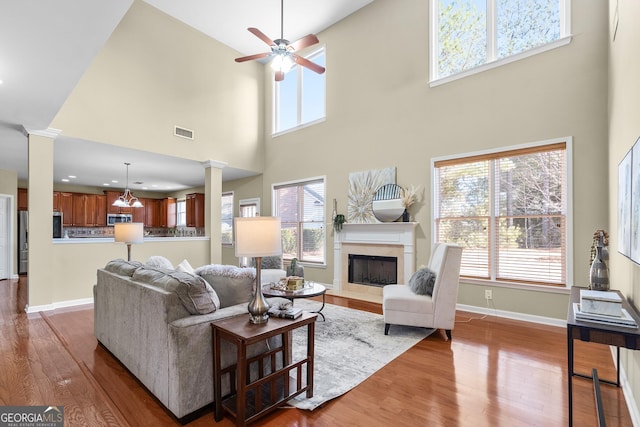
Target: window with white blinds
x,y
301,208
227,218
508,211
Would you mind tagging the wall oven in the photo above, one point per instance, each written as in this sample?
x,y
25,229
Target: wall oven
x,y
113,219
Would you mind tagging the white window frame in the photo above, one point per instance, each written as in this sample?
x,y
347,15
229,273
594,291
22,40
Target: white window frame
x,y
227,194
181,214
569,215
300,95
274,212
492,62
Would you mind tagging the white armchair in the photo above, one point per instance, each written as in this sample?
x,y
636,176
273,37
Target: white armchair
x,y
401,306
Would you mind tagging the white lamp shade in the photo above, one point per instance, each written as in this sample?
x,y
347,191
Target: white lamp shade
x,y
129,232
257,236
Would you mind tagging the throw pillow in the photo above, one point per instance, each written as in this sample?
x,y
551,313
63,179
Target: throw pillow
x,y
197,296
185,267
160,262
422,282
233,285
122,267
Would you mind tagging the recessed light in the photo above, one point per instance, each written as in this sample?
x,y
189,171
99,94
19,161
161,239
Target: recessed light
x,y
106,184
65,180
145,188
115,181
72,176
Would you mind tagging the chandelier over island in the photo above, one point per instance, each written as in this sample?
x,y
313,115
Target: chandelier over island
x,y
127,200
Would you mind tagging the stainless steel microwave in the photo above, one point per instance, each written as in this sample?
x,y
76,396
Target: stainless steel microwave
x,y
113,219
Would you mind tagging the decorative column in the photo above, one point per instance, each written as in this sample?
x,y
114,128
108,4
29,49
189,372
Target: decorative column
x,y
213,208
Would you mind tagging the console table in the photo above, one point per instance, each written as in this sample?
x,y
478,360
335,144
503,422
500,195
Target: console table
x,y
248,400
618,336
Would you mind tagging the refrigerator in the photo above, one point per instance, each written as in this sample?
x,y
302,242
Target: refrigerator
x,y
23,249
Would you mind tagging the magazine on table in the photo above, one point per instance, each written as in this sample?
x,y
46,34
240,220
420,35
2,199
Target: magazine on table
x,y
625,320
285,313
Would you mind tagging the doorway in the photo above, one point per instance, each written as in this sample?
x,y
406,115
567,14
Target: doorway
x,y
6,231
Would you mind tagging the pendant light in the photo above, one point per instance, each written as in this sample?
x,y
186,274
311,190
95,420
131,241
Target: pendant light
x,y
127,200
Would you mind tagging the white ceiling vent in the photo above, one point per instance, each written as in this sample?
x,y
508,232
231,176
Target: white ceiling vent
x,y
183,132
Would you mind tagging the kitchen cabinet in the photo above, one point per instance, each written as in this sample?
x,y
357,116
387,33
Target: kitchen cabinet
x,y
23,199
66,207
101,211
56,201
85,210
138,214
195,209
112,196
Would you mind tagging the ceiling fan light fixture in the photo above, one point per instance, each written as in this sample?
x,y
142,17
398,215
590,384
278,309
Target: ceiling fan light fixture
x,y
282,62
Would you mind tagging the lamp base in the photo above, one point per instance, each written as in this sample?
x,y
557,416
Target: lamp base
x,y
258,319
258,306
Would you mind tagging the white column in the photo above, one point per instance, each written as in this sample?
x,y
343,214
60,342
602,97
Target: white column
x,y
213,208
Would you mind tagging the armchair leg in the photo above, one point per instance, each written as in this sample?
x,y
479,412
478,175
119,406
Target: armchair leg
x,y
448,333
386,328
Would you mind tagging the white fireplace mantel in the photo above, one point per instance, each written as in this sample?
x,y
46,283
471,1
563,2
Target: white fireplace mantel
x,y
384,233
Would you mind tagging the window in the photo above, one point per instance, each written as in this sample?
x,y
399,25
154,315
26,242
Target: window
x,y
301,208
181,213
227,218
300,98
466,34
508,210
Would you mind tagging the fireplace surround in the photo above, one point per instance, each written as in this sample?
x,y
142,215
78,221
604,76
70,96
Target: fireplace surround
x,y
388,239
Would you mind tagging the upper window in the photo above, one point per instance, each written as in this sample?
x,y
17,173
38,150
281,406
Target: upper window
x,y
466,34
227,218
508,210
300,98
301,208
181,213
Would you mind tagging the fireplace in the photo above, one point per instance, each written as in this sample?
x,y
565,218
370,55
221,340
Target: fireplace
x,y
373,270
388,239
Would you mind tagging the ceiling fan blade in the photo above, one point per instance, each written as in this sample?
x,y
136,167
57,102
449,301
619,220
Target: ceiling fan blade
x,y
306,41
252,57
308,64
259,34
279,76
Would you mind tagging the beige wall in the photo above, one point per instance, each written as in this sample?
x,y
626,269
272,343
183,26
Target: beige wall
x,y
381,112
154,72
624,130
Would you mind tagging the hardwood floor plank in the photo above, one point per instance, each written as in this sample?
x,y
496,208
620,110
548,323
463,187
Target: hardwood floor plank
x,y
495,372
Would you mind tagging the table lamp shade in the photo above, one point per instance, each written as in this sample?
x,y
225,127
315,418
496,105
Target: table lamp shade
x,y
129,232
257,236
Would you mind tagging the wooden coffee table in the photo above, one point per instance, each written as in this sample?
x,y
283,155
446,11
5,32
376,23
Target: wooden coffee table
x,y
249,400
313,289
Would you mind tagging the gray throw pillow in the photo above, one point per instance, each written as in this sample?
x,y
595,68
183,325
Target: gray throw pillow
x,y
122,267
233,285
197,296
160,262
422,282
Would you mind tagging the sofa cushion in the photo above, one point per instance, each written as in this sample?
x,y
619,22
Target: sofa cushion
x,y
197,296
122,267
422,281
234,285
159,261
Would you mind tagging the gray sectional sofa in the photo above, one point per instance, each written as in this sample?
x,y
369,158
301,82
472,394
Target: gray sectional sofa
x,y
156,323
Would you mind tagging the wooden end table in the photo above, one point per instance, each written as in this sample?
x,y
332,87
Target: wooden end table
x,y
315,289
248,400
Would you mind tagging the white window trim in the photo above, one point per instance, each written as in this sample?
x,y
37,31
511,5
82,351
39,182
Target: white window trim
x,y
273,212
569,214
248,202
229,193
565,39
276,100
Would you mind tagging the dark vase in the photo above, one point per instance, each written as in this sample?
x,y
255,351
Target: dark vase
x,y
405,216
599,272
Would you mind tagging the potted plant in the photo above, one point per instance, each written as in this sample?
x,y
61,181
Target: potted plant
x,y
338,220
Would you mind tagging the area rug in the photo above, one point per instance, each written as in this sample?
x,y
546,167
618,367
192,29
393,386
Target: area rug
x,y
350,346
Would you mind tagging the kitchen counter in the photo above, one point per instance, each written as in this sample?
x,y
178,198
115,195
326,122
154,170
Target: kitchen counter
x,y
76,240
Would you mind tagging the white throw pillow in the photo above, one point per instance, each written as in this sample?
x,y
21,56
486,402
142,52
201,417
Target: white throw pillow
x,y
159,262
185,267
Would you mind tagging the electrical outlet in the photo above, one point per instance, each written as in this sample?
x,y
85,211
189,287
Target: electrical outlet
x,y
488,294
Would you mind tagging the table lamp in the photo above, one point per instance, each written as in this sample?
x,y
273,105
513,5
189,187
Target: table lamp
x,y
129,232
257,237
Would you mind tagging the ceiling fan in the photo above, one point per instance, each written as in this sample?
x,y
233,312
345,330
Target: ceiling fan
x,y
283,51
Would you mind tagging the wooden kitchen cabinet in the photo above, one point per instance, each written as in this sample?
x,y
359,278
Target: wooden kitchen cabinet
x,y
56,201
195,209
138,214
101,211
168,212
66,207
23,199
112,196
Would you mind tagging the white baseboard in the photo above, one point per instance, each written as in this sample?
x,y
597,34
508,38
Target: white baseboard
x,y
57,305
634,413
551,321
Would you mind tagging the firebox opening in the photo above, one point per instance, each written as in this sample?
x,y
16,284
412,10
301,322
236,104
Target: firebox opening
x,y
373,270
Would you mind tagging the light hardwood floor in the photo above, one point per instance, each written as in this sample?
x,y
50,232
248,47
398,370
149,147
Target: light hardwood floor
x,y
495,372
